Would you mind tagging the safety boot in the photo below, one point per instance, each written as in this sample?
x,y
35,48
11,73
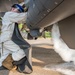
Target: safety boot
x,y
8,63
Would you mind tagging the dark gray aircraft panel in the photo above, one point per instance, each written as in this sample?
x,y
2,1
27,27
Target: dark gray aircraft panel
x,y
43,13
38,9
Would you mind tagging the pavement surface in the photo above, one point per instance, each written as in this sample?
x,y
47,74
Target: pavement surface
x,y
45,60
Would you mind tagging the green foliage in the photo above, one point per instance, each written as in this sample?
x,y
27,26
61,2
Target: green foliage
x,y
20,26
47,34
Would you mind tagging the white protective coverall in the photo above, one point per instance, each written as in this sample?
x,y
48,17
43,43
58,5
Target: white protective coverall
x,y
9,47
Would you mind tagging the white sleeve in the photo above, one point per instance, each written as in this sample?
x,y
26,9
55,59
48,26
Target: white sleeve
x,y
17,17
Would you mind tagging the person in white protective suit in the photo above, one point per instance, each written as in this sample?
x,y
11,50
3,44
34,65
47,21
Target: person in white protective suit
x,y
16,14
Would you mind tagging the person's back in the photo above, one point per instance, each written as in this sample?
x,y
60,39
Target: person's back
x,y
8,22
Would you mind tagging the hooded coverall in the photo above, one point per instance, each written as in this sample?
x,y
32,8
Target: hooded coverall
x,y
9,47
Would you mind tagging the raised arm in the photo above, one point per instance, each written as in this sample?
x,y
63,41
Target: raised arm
x,y
17,17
